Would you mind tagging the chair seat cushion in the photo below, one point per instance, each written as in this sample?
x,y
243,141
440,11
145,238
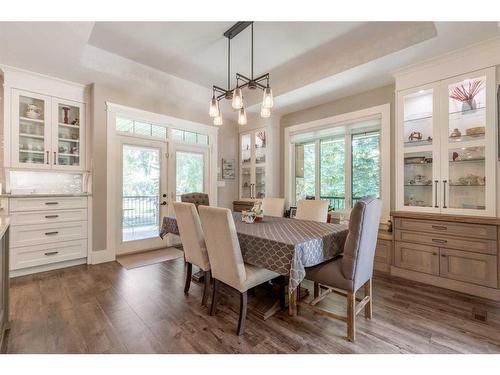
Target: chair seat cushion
x,y
257,275
329,274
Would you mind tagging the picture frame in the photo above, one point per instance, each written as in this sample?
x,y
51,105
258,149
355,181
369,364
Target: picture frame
x,y
228,169
293,212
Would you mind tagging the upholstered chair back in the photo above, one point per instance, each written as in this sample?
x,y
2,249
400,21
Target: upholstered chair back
x,y
193,240
199,199
273,206
359,248
314,210
223,247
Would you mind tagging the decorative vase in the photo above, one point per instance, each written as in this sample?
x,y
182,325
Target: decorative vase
x,y
469,105
66,110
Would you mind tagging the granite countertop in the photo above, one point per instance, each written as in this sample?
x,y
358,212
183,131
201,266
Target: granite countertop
x,y
34,195
4,224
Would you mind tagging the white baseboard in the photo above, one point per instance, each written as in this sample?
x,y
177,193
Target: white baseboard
x,y
102,256
46,267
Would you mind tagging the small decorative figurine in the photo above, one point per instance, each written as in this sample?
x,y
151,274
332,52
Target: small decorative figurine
x,y
455,133
415,136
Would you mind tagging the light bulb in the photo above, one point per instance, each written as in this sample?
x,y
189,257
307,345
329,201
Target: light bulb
x,y
267,98
242,116
218,118
237,99
265,112
214,107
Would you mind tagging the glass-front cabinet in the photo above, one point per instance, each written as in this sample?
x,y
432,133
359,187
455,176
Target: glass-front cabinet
x,y
446,146
253,155
47,132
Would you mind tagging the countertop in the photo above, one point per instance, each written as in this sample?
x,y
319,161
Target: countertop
x,y
4,224
44,195
447,217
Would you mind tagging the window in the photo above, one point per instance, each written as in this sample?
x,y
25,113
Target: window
x,y
141,128
340,164
190,137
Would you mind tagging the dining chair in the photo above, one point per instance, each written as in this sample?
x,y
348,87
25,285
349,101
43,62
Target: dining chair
x,y
273,206
193,243
347,274
314,210
226,259
199,199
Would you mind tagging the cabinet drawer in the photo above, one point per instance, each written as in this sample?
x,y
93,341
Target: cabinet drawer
x,y
415,257
53,203
383,252
448,228
473,268
27,235
453,242
42,217
32,256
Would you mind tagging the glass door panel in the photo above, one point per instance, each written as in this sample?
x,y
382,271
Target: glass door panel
x,y
419,186
140,192
189,173
246,183
305,167
260,182
467,110
260,147
332,173
33,128
68,135
246,149
418,118
467,178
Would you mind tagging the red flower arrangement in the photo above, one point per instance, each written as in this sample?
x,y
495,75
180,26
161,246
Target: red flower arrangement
x,y
466,93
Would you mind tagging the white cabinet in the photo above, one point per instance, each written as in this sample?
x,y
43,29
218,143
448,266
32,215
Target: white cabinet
x,y
446,142
253,161
47,132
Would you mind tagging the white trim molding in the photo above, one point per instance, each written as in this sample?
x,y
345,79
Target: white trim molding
x,y
383,112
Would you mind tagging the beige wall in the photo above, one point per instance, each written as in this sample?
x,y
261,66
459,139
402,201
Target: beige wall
x,y
100,94
378,96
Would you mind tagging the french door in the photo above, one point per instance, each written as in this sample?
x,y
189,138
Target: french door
x,y
190,170
142,182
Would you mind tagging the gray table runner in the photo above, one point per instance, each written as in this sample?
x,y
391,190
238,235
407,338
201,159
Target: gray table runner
x,y
285,246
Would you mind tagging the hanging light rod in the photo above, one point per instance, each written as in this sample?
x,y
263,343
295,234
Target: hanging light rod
x,y
236,95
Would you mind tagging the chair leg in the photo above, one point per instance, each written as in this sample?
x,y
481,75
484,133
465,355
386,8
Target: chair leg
x,y
369,307
298,299
215,296
243,313
283,285
351,316
188,278
316,290
206,287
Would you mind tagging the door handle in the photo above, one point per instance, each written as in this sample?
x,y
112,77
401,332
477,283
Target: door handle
x,y
163,203
436,194
55,157
51,233
444,193
48,157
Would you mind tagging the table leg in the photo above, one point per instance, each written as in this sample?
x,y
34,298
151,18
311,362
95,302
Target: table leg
x,y
292,303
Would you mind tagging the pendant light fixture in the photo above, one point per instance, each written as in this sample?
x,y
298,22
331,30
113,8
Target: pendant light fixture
x,y
236,94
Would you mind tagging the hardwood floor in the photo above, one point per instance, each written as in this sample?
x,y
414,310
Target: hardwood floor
x,y
108,309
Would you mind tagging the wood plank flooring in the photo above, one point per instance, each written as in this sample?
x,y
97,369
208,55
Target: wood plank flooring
x,y
108,309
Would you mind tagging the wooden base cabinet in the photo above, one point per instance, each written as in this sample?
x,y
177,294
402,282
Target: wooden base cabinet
x,y
4,284
449,251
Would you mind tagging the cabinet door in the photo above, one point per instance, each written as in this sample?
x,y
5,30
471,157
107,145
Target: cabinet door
x,y
418,150
473,268
246,185
415,257
31,130
468,144
68,131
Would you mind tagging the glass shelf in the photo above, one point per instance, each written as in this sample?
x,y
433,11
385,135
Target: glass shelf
x,y
423,142
423,118
459,115
465,138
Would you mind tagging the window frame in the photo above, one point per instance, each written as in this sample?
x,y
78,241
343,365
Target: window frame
x,y
349,125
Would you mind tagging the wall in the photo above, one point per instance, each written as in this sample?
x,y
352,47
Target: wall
x,y
100,94
375,97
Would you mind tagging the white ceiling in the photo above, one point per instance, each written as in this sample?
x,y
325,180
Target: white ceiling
x,y
310,62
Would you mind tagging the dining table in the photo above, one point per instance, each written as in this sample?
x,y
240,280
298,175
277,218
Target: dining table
x,y
283,245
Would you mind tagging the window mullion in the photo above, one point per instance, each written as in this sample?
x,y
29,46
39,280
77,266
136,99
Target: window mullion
x,y
348,168
317,172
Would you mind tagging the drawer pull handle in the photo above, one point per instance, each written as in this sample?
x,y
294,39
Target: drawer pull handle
x,y
51,203
439,241
434,253
51,216
439,227
50,233
52,253
444,255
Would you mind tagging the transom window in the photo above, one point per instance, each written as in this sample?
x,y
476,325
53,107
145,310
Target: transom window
x,y
341,164
190,137
140,128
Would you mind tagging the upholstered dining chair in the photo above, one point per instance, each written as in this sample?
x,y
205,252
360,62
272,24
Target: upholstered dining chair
x,y
227,261
199,199
314,210
193,243
273,206
346,275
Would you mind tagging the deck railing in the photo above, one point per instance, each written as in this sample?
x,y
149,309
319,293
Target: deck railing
x,y
140,210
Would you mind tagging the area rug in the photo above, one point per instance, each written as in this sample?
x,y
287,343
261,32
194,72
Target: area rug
x,y
149,257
